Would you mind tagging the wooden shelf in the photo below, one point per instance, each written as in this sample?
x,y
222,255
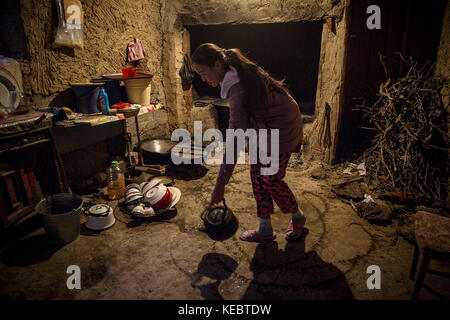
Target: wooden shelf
x,y
9,219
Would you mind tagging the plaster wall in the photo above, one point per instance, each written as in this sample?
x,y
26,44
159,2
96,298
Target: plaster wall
x,y
109,25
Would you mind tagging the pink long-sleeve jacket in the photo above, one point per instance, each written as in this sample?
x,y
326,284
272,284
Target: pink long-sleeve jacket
x,y
282,113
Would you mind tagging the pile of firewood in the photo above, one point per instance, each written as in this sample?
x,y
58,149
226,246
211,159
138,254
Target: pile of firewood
x,y
410,150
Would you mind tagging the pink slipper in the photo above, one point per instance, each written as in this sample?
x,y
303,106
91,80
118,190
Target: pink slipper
x,y
294,231
255,236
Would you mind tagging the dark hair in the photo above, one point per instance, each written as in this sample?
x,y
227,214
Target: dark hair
x,y
254,79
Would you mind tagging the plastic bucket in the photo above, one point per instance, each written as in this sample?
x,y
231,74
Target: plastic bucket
x,y
86,97
139,90
61,215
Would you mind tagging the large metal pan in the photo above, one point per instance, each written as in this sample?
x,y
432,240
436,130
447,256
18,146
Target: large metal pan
x,y
158,151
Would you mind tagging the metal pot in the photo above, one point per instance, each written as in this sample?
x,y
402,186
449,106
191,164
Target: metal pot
x,y
99,217
60,214
218,218
159,151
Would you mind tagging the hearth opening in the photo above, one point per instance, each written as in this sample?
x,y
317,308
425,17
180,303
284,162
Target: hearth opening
x,y
288,51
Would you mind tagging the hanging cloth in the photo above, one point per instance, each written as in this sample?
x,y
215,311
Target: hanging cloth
x,y
136,51
186,73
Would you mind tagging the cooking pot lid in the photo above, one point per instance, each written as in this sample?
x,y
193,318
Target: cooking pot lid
x,y
216,215
160,146
100,209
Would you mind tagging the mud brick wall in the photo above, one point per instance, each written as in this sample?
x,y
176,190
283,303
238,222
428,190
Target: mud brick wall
x,y
153,124
443,57
108,28
443,67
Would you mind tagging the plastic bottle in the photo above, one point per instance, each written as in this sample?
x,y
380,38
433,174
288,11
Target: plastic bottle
x,y
116,181
104,103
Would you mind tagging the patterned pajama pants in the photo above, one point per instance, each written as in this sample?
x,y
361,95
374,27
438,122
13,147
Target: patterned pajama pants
x,y
268,188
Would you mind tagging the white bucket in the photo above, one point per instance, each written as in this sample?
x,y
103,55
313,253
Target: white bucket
x,y
139,90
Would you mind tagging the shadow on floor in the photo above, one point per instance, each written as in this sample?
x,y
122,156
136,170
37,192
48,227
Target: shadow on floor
x,y
211,271
85,231
187,172
292,274
30,250
20,230
222,234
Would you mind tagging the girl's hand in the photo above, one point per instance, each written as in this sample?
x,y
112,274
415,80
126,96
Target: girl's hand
x,y
218,194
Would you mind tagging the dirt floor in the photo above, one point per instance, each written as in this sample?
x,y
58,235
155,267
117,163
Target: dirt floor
x,y
170,258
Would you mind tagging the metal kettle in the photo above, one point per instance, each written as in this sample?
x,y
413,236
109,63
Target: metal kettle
x,y
217,218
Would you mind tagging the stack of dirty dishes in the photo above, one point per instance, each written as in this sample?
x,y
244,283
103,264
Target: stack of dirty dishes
x,y
150,198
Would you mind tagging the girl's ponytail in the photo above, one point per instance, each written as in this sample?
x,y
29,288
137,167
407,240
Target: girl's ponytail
x,y
231,57
255,79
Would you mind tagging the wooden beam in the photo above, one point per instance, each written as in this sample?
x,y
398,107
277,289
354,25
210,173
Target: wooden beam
x,y
335,125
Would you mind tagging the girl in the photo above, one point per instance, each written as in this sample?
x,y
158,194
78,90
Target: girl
x,y
256,101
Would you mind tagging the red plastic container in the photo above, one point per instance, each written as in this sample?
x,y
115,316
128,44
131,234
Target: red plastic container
x,y
130,72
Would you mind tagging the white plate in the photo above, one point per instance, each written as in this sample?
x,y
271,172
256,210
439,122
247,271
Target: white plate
x,y
132,186
176,196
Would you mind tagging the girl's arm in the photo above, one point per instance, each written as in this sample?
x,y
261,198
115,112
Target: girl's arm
x,y
238,120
